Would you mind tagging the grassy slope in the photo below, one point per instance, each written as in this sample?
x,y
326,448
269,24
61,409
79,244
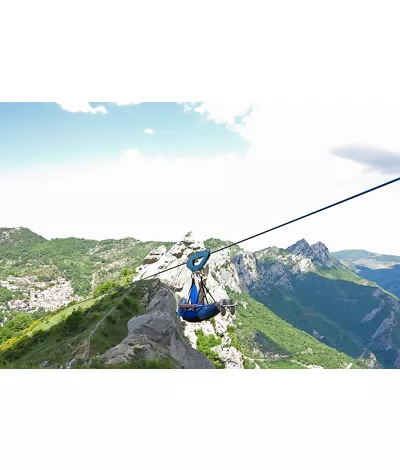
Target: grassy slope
x,y
337,273
63,335
333,307
258,327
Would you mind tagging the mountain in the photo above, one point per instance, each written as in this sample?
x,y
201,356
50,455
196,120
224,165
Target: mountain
x,y
36,273
366,258
137,326
382,269
19,237
298,307
314,292
255,336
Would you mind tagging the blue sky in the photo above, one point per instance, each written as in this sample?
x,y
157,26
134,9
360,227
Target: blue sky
x,y
258,165
33,133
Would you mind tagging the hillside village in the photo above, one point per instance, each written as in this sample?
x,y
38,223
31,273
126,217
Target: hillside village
x,y
38,295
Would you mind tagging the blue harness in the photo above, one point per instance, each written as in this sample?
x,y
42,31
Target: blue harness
x,y
190,314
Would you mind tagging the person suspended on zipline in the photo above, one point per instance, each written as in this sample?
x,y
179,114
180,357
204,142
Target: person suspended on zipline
x,y
200,312
195,309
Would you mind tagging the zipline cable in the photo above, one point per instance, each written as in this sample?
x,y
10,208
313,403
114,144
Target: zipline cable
x,y
310,214
257,235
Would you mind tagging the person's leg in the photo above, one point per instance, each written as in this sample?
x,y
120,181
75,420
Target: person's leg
x,y
190,315
220,306
227,303
208,311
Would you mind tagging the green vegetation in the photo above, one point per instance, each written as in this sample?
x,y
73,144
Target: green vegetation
x,y
274,343
19,237
247,364
128,274
334,308
215,243
156,363
270,256
280,365
78,260
15,326
5,295
232,332
119,308
104,288
332,303
62,335
205,343
340,274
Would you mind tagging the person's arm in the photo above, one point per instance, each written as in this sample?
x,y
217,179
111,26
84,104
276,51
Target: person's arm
x,y
188,305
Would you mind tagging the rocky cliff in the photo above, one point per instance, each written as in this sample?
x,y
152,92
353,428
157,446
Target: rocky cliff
x,y
220,275
315,292
303,284
157,333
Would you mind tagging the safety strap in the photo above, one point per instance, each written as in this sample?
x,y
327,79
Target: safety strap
x,y
206,291
202,289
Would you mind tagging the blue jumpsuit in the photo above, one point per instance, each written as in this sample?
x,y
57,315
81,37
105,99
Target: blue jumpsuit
x,y
201,312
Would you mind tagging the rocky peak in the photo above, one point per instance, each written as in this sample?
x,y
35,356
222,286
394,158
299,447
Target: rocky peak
x,y
318,253
246,267
301,248
321,252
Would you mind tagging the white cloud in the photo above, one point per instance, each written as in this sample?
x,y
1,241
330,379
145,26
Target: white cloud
x,y
148,131
222,112
289,171
82,107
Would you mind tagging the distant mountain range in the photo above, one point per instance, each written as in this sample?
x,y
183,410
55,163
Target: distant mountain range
x,y
382,269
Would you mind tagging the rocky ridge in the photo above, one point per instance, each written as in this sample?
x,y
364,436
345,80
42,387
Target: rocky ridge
x,y
157,333
220,274
278,268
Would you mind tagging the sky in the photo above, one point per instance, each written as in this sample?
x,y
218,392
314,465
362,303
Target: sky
x,y
301,108
155,171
